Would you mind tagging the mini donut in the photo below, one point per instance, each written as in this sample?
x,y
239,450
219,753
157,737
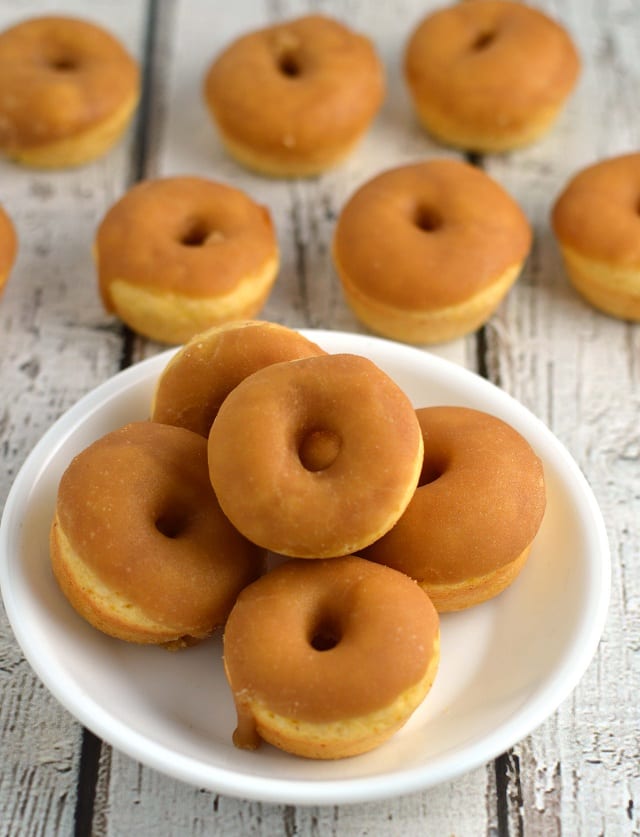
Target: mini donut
x,y
202,373
178,255
295,98
327,659
68,90
596,220
469,527
8,247
317,457
426,252
489,75
139,545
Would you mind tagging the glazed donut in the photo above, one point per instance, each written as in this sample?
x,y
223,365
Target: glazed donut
x,y
317,457
139,545
426,252
178,255
469,527
327,659
8,247
596,220
68,90
202,373
489,75
293,99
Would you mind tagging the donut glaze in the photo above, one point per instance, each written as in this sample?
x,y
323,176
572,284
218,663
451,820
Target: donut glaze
x,y
489,75
317,457
178,255
481,498
68,90
596,220
426,252
293,99
202,373
328,658
8,247
139,545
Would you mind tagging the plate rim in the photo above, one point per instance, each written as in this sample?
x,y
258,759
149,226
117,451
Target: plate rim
x,y
539,706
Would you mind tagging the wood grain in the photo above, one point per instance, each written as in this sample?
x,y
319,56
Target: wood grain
x,y
579,774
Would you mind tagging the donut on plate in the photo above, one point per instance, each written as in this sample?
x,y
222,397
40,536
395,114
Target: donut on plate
x,y
489,75
139,545
327,659
426,252
202,373
178,255
68,90
596,220
317,457
294,99
8,247
468,530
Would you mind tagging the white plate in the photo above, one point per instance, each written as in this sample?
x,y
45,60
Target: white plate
x,y
506,665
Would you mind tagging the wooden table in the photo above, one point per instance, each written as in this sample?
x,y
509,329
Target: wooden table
x,y
579,371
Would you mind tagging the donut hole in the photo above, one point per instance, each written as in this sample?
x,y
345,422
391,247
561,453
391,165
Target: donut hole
x,y
432,469
196,232
427,219
319,449
289,64
63,63
172,523
483,40
326,634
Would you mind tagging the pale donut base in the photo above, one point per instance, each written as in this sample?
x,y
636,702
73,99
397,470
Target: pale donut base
x,y
169,317
271,165
450,597
106,609
450,132
340,739
428,327
613,290
81,148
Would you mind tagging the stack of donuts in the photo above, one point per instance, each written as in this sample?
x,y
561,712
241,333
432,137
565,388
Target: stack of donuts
x,y
298,499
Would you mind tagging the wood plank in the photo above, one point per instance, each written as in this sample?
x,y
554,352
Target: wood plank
x,y
307,294
57,345
578,370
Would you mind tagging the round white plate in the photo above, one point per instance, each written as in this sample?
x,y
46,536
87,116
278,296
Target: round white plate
x,y
505,665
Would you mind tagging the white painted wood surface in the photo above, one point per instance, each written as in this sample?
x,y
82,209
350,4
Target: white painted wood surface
x,y
579,774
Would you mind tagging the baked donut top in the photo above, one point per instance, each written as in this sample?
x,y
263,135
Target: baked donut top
x,y
479,503
8,244
58,77
137,504
203,372
328,640
598,212
429,235
491,60
187,235
296,84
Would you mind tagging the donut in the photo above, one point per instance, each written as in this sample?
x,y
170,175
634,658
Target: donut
x,y
203,372
596,220
489,75
317,457
68,90
327,659
295,98
426,252
468,530
178,255
139,545
8,247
